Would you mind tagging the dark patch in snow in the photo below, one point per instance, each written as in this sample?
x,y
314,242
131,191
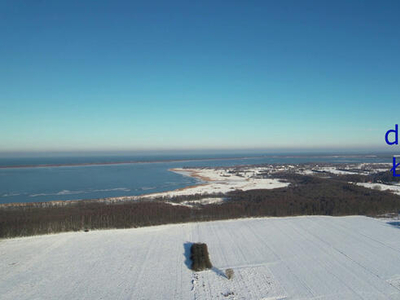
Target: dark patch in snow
x,y
188,262
396,224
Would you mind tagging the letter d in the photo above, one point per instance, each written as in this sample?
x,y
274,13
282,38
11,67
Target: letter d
x,y
396,132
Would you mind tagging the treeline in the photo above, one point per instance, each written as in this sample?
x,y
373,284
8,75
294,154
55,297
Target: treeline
x,y
385,177
31,220
316,196
305,196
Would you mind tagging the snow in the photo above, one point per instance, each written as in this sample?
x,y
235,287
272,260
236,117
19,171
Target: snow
x,y
306,172
380,170
395,189
333,170
222,181
273,258
203,201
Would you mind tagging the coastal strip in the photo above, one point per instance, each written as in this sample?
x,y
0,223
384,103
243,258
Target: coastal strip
x,y
211,181
125,162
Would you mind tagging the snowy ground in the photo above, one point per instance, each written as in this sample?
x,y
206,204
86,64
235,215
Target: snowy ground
x,y
222,181
334,170
344,169
273,258
395,188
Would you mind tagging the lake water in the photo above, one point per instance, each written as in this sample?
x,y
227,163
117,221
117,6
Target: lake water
x,y
37,184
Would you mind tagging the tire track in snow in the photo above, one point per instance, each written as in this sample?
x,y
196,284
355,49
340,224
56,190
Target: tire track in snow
x,y
293,258
320,261
150,248
363,267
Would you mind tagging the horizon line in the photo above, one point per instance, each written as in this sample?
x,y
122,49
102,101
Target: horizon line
x,y
270,150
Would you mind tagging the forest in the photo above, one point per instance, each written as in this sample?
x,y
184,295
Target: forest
x,y
305,196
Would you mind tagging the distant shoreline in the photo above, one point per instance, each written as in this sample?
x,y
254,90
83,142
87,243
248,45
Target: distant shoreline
x,y
167,161
216,180
122,162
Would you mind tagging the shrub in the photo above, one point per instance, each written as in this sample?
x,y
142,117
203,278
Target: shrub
x,y
229,273
200,257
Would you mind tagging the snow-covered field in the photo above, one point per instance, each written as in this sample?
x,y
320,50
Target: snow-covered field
x,y
273,258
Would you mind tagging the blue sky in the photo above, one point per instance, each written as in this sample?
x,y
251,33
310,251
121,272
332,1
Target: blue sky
x,y
137,75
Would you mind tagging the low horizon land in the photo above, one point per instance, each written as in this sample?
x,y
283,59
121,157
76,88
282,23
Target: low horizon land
x,y
106,158
201,151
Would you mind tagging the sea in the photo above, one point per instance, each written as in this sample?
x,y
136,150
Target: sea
x,y
41,179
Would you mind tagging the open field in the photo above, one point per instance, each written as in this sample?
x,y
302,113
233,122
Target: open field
x,y
273,258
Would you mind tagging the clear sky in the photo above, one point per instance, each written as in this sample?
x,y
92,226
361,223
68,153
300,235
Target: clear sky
x,y
134,75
